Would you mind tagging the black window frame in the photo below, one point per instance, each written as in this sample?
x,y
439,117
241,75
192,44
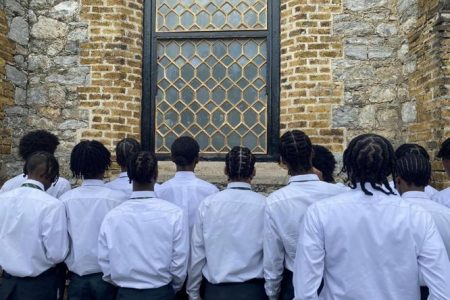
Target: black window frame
x,y
150,68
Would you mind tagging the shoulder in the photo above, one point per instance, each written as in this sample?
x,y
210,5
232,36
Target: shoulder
x,y
442,197
207,185
13,183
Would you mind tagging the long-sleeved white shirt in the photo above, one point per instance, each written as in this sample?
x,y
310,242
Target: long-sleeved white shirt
x,y
369,247
284,211
33,231
186,191
429,190
55,190
122,183
86,206
226,241
442,197
144,243
439,212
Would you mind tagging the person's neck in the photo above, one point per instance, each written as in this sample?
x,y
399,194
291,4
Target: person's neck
x,y
413,188
98,177
143,187
309,172
190,168
248,180
35,178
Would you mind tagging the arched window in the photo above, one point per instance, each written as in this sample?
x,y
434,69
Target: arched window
x,y
211,71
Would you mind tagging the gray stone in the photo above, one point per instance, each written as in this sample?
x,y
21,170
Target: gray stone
x,y
409,112
386,30
20,96
20,60
72,124
39,4
382,94
72,48
378,52
47,28
57,95
14,7
352,28
356,52
56,47
367,117
66,60
19,31
345,116
37,95
16,76
32,18
407,9
76,76
359,5
388,118
39,62
78,34
410,67
16,111
65,10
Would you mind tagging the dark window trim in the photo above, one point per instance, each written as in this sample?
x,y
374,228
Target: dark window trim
x,y
149,69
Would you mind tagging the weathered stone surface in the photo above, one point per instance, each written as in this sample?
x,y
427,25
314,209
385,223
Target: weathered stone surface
x,y
16,76
379,52
387,30
18,31
65,61
72,124
359,5
75,76
345,116
381,94
37,95
14,7
78,34
352,28
20,96
409,112
47,28
65,10
39,62
56,47
57,95
359,52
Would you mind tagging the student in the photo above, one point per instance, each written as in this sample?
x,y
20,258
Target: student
x,y
185,189
86,206
324,161
368,243
408,149
285,209
33,233
144,244
233,269
34,141
443,197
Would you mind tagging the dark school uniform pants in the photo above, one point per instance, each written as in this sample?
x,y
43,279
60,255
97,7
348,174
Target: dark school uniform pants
x,y
61,274
41,287
163,293
90,287
248,290
424,293
287,287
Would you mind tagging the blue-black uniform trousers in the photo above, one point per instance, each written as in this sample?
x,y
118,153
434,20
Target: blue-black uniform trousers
x,y
248,290
42,287
163,293
90,287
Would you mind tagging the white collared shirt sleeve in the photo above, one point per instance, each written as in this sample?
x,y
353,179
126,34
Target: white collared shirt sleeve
x,y
103,253
434,263
273,256
310,256
180,253
198,257
54,234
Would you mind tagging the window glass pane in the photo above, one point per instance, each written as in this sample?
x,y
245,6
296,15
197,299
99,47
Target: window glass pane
x,y
221,100
216,15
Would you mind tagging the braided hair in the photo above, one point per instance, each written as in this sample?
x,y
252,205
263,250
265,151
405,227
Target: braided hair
x,y
444,152
407,149
40,158
369,158
296,150
142,167
240,163
184,151
414,169
124,149
37,140
324,161
89,159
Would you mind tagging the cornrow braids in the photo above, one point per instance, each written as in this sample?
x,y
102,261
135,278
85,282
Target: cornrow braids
x,y
184,151
142,167
370,158
407,149
39,158
37,140
89,159
295,150
240,163
414,169
444,152
124,149
324,161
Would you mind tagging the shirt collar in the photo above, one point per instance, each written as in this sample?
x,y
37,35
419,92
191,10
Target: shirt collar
x,y
35,182
143,194
239,185
123,175
93,182
415,194
304,178
369,187
184,175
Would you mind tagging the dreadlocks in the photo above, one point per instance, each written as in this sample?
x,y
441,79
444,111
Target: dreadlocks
x,y
142,167
124,149
184,151
38,140
369,158
414,170
40,158
239,163
324,161
407,149
89,159
296,150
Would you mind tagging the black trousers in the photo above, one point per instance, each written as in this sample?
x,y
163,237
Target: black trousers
x,y
41,287
90,287
61,274
248,290
424,293
163,293
287,287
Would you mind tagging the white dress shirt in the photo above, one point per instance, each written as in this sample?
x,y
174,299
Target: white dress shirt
x,y
144,244
122,183
442,197
226,242
429,190
33,231
284,211
55,190
186,191
369,247
86,206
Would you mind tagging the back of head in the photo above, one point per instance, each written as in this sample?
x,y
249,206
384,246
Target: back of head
x,y
184,151
89,159
407,149
414,169
296,151
324,161
240,164
42,164
125,149
142,167
370,158
444,152
38,140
